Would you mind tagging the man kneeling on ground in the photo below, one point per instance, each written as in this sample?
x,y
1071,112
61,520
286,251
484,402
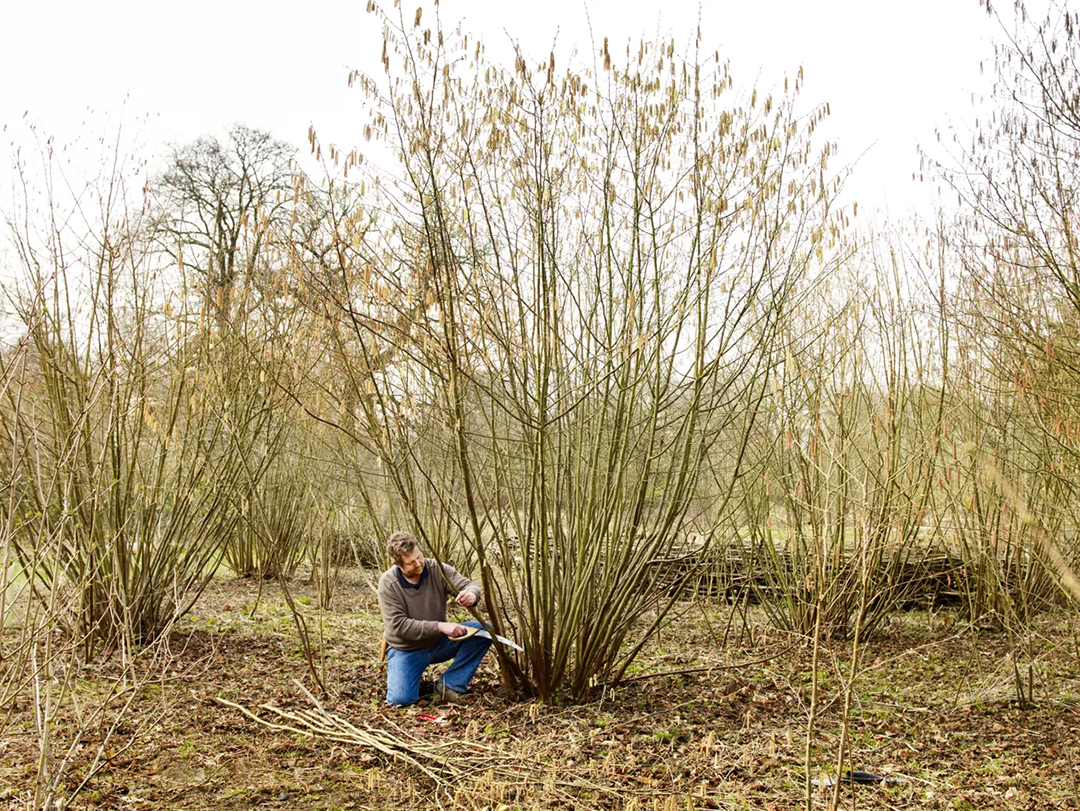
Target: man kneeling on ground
x,y
412,597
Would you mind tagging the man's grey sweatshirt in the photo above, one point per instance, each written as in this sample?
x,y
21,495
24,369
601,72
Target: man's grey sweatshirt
x,y
411,616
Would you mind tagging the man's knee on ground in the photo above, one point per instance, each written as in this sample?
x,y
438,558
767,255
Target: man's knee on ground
x,y
402,698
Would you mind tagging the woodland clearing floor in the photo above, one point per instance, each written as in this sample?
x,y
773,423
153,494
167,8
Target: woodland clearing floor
x,y
934,707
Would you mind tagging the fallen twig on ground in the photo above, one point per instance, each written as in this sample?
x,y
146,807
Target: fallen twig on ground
x,y
692,670
444,761
434,760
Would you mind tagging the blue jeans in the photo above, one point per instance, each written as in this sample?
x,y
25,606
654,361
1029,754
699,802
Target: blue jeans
x,y
404,667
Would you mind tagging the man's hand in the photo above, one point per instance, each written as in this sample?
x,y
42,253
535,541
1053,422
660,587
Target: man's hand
x,y
452,629
466,598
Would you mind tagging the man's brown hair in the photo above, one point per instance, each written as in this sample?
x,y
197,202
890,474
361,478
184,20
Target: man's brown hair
x,y
400,544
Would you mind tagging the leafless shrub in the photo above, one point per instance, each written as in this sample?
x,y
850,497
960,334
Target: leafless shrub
x,y
572,303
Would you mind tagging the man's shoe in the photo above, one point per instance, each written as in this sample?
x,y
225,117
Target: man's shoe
x,y
448,694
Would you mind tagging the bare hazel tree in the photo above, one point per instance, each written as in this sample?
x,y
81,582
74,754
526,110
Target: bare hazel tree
x,y
570,297
228,212
121,477
1016,308
852,442
125,438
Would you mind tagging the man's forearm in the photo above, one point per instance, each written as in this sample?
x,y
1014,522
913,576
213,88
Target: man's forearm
x,y
461,584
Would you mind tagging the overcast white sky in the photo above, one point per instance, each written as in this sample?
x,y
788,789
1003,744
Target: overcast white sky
x,y
891,72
